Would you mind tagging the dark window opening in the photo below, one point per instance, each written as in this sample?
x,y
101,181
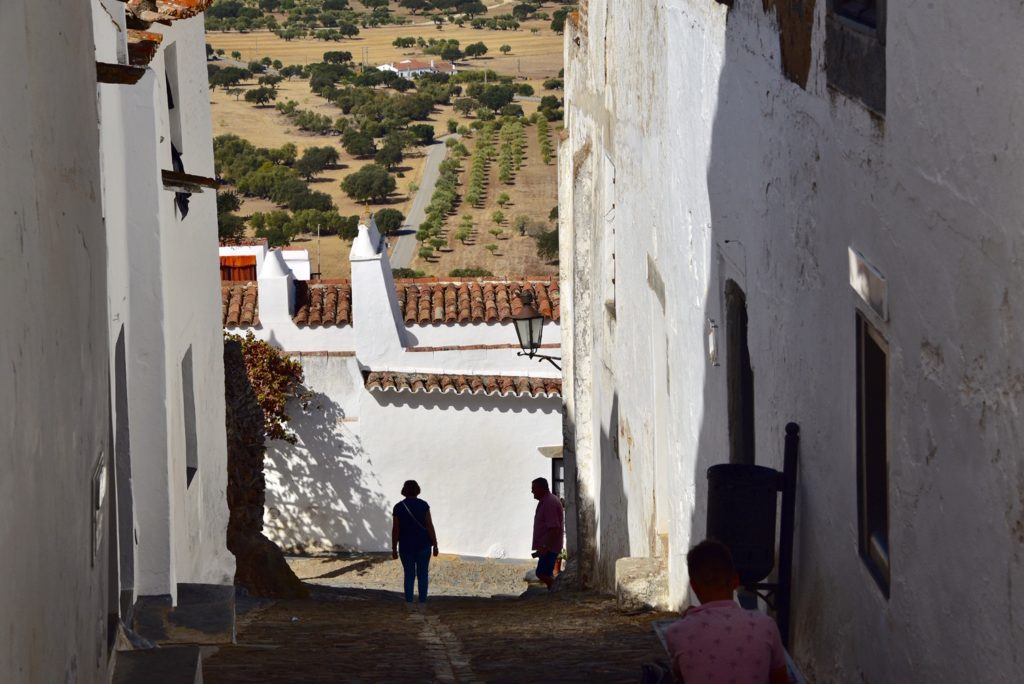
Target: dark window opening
x,y
855,50
739,376
558,477
861,11
180,198
170,93
872,451
189,405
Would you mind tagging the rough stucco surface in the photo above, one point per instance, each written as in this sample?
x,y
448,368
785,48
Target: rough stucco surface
x,y
792,178
53,342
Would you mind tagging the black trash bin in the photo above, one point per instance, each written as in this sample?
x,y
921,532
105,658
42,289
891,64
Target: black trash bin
x,y
741,515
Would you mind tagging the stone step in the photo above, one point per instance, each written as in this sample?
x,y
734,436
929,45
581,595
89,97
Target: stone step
x,y
641,583
205,614
167,665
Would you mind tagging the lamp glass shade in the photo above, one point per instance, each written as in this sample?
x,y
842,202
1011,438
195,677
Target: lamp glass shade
x,y
529,329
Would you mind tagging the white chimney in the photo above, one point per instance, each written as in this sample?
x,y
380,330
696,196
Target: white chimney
x,y
376,319
276,289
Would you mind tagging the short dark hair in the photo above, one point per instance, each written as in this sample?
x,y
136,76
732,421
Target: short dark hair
x,y
543,483
710,564
410,488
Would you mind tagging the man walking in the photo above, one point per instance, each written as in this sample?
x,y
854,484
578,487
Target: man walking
x,y
548,530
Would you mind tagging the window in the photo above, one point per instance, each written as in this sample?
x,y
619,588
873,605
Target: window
x,y
855,50
558,477
739,376
189,405
860,11
873,451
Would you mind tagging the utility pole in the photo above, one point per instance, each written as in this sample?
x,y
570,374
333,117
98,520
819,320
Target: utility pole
x,y
319,272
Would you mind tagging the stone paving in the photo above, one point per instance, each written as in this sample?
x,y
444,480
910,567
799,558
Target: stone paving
x,y
480,625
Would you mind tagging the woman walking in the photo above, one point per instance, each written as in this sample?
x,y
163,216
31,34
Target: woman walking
x,y
412,538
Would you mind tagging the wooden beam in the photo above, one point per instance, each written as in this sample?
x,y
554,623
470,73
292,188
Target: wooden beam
x,y
123,74
186,182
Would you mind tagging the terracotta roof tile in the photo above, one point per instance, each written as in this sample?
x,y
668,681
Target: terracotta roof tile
x,y
239,304
501,385
323,304
142,46
166,10
427,300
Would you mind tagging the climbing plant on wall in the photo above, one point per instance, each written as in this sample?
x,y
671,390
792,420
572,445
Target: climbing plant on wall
x,y
275,379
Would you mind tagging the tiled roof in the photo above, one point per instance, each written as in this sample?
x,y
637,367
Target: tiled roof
x,y
239,304
323,303
471,300
501,385
166,10
422,301
142,46
141,14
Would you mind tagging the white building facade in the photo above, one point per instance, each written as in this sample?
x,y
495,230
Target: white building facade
x,y
53,341
413,68
809,212
166,348
114,495
414,379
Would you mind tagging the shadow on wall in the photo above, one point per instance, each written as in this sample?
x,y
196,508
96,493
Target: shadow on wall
x,y
321,493
762,183
613,512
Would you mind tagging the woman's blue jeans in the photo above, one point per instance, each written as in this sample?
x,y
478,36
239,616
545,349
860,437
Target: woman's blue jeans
x,y
415,564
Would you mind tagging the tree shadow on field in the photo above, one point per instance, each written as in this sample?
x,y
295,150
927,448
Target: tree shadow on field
x,y
321,492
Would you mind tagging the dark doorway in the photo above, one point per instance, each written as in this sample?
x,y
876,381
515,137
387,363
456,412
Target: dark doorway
x,y
740,376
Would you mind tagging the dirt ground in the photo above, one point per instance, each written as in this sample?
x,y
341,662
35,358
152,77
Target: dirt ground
x,y
534,55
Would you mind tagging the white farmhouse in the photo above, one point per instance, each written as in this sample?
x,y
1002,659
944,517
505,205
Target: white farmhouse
x,y
411,68
408,379
812,212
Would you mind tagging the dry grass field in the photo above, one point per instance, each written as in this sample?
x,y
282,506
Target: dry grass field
x,y
534,55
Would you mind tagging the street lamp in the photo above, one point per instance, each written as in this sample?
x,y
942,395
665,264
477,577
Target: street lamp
x,y
529,325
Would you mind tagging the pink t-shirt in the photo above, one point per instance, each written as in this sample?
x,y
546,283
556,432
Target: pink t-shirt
x,y
549,515
721,643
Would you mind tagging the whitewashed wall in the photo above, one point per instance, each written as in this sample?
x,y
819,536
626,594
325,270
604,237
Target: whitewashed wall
x,y
161,271
191,323
473,456
54,417
792,178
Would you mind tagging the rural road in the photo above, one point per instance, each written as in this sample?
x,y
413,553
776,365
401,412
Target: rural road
x,y
405,246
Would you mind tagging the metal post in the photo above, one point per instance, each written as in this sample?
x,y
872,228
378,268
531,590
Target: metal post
x,y
319,273
786,526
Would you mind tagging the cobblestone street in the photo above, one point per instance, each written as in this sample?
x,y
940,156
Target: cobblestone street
x,y
352,630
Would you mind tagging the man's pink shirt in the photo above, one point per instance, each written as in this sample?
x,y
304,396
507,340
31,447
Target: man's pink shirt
x,y
721,643
549,515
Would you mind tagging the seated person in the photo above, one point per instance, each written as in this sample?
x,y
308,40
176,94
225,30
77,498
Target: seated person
x,y
718,641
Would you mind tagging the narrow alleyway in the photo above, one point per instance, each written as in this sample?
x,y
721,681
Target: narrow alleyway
x,y
350,631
